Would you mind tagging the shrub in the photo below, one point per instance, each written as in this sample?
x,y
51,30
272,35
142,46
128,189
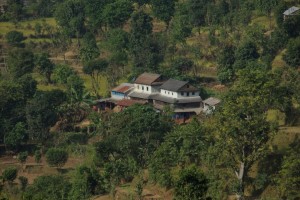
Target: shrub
x,y
56,157
15,38
10,174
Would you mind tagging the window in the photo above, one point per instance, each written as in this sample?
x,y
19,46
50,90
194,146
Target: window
x,y
187,86
172,93
182,93
147,88
138,87
193,93
165,92
142,87
168,92
187,94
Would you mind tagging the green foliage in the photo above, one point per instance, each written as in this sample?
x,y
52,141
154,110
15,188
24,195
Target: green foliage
x,y
75,87
226,60
20,62
44,65
183,146
198,10
89,49
191,184
37,156
288,178
23,182
15,10
56,157
85,183
42,113
291,56
116,13
291,25
180,28
22,157
61,73
48,187
9,174
163,10
70,16
15,38
16,137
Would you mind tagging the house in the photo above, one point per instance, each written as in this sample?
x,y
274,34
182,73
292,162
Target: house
x,y
146,85
290,12
209,105
182,97
122,91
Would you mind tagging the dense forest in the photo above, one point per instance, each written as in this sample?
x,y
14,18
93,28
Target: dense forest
x,y
58,58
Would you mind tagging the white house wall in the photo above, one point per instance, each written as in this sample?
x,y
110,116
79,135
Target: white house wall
x,y
169,93
145,88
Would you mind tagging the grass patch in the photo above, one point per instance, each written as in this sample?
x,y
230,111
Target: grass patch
x,y
276,116
26,27
278,61
103,91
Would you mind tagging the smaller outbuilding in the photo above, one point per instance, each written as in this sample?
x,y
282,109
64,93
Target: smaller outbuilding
x,y
209,105
290,12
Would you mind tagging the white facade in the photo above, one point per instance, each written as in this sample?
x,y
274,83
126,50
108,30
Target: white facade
x,y
148,89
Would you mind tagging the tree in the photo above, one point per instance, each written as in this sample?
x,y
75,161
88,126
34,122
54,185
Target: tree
x,y
226,60
61,73
75,87
15,38
241,127
191,184
9,174
291,25
267,6
41,113
163,10
20,62
44,65
15,10
291,57
22,157
15,138
288,178
180,26
116,13
94,69
70,16
48,187
198,11
89,49
56,157
85,183
37,156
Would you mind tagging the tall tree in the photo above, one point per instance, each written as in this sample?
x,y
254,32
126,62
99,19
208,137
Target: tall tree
x,y
242,129
198,11
115,14
20,62
44,65
291,57
70,16
163,10
89,49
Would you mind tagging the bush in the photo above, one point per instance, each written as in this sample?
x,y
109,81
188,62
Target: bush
x,y
192,184
56,157
15,38
37,156
9,174
22,157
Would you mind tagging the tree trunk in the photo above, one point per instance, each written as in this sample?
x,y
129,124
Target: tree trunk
x,y
240,176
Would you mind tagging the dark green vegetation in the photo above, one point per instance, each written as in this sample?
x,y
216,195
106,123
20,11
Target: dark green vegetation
x,y
52,70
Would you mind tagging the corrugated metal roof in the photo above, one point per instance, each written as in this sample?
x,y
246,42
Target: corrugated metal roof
x,y
124,87
128,102
212,101
291,10
173,85
147,78
197,110
166,99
